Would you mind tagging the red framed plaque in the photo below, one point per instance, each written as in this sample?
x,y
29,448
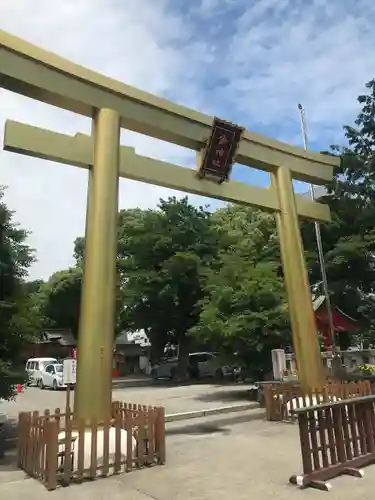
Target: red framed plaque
x,y
221,148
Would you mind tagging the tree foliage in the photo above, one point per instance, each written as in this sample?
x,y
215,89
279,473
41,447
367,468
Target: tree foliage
x,y
59,300
244,314
248,230
176,265
161,255
349,240
19,320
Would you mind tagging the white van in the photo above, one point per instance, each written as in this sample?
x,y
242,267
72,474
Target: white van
x,y
35,367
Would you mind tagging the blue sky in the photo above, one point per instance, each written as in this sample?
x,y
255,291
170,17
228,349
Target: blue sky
x,y
247,62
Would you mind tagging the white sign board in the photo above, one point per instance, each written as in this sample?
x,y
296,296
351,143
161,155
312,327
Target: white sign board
x,y
69,371
278,363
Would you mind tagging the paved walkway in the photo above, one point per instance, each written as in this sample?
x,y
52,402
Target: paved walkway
x,y
175,399
242,461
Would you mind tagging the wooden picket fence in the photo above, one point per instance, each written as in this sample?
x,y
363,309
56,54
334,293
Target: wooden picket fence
x,y
281,399
336,438
57,449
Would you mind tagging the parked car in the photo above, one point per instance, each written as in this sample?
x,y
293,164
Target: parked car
x,y
230,372
201,364
52,377
35,367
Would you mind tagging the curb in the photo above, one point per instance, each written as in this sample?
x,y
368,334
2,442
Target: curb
x,y
132,382
176,417
225,420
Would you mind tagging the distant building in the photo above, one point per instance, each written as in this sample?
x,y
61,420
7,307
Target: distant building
x,y
344,325
138,337
131,354
55,343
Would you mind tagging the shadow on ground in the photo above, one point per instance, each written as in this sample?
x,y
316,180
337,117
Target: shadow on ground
x,y
8,437
9,461
199,430
9,428
226,395
219,426
149,382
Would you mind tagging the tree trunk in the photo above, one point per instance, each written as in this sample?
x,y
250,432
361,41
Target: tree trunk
x,y
157,340
183,357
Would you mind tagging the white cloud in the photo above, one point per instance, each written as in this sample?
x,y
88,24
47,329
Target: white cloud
x,y
249,62
317,52
119,39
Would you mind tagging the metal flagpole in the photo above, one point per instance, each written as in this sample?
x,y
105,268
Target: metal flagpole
x,y
319,241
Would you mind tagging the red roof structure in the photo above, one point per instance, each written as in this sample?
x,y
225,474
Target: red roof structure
x,y
341,321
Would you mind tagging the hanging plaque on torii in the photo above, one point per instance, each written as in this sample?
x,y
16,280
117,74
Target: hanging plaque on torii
x,y
219,154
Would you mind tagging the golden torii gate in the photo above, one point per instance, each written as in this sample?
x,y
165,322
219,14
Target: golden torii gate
x,y
39,74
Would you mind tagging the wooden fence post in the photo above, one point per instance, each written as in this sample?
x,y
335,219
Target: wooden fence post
x,y
23,433
160,435
52,450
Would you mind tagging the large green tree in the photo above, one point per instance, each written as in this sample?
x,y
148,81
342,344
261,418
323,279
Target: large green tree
x,y
19,319
349,240
249,231
244,314
161,255
59,299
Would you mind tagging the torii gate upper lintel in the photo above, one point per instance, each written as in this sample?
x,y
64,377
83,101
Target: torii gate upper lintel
x,y
41,75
